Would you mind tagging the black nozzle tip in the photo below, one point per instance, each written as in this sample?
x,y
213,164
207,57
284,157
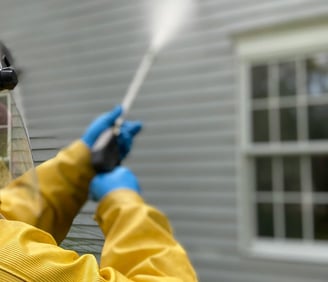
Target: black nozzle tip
x,y
8,78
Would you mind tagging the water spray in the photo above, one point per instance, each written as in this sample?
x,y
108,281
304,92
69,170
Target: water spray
x,y
166,18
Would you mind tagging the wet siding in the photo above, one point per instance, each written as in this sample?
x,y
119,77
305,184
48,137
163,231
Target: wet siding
x,y
79,57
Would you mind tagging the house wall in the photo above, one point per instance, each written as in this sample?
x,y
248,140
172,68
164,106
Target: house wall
x,y
78,58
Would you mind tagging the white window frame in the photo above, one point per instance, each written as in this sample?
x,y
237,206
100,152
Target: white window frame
x,y
260,46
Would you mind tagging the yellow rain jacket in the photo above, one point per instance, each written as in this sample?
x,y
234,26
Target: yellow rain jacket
x,y
139,245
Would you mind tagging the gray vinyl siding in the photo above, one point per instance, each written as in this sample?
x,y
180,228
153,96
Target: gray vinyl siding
x,y
78,58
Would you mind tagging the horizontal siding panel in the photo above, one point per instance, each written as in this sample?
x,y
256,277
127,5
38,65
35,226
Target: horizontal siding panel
x,y
83,246
148,99
213,250
194,184
170,83
181,156
201,213
42,155
167,113
225,231
194,145
47,143
108,98
191,96
125,60
85,231
89,207
166,63
85,219
181,198
205,123
119,38
196,171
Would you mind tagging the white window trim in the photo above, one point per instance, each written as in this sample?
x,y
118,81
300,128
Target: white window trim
x,y
250,48
9,153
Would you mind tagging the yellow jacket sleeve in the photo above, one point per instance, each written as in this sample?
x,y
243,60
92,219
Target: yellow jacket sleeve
x,y
139,244
63,188
139,241
139,247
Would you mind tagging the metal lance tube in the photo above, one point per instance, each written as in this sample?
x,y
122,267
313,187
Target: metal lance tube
x,y
138,79
129,98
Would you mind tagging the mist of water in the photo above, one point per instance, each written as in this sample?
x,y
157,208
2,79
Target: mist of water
x,y
167,18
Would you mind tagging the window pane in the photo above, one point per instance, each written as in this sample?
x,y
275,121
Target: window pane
x,y
288,127
291,172
318,125
265,220
319,166
263,171
320,214
287,79
260,126
3,100
259,81
317,75
3,111
3,142
293,221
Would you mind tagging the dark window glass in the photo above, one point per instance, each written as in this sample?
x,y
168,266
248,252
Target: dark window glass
x,y
287,79
318,125
259,81
291,174
3,142
317,75
263,171
319,165
293,221
3,111
320,214
265,220
288,126
261,126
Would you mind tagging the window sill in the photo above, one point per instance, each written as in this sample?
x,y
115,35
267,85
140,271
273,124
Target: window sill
x,y
303,251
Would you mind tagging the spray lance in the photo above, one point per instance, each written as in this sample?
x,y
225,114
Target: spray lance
x,y
167,17
105,153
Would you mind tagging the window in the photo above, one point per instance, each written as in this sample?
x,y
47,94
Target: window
x,y
289,104
284,142
4,126
4,138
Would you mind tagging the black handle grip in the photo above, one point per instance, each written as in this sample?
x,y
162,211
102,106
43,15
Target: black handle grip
x,y
108,157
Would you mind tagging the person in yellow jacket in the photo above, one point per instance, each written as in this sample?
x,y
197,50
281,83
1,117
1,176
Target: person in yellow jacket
x,y
139,243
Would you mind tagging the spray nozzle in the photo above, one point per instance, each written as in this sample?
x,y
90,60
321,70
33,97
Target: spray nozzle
x,y
8,78
8,75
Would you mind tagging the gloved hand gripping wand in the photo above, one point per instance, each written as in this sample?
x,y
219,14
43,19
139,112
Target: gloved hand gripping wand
x,y
105,154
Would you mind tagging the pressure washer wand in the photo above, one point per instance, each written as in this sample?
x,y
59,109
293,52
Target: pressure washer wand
x,y
105,154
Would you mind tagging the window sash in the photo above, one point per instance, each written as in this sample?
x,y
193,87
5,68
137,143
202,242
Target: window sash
x,y
270,47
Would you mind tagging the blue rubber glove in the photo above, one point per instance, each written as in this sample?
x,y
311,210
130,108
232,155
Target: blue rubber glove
x,y
120,178
128,130
99,125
